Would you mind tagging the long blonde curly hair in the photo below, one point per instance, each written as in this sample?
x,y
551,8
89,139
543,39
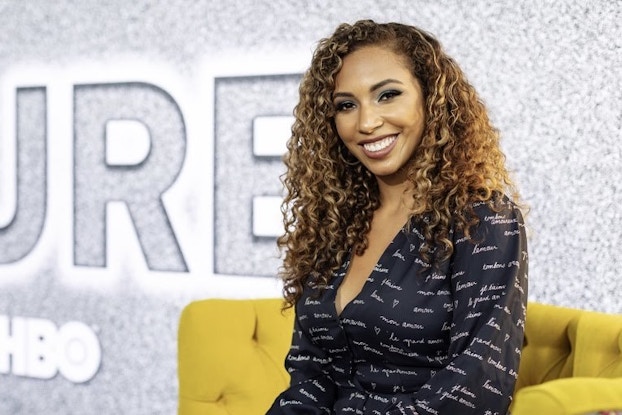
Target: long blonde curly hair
x,y
331,197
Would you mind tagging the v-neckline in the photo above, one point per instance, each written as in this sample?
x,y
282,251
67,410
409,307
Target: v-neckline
x,y
346,267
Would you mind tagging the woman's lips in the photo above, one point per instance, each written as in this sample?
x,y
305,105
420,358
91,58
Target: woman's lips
x,y
379,148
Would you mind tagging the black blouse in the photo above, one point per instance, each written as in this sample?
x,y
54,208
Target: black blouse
x,y
443,341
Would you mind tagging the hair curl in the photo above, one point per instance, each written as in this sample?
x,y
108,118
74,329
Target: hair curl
x,y
331,197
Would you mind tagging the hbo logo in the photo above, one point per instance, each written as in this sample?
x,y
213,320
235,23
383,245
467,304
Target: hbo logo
x,y
37,348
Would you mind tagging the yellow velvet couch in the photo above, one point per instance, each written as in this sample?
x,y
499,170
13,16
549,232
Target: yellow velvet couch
x,y
231,352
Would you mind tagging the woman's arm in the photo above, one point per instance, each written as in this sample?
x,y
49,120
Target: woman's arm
x,y
489,285
311,390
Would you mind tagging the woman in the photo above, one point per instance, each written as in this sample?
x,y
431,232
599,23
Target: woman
x,y
404,258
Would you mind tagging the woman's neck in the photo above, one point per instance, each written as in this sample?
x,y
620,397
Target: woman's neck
x,y
395,195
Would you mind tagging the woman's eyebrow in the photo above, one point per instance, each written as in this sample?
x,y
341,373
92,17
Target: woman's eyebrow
x,y
373,88
383,83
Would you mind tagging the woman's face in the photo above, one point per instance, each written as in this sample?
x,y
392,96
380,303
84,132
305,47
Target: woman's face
x,y
379,109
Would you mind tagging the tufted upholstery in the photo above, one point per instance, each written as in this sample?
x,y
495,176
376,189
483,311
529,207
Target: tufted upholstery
x,y
599,353
548,350
231,356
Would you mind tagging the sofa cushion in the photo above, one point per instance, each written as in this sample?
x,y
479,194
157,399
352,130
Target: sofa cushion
x,y
570,396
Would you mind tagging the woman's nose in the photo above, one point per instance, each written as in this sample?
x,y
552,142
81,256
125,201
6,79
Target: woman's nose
x,y
369,120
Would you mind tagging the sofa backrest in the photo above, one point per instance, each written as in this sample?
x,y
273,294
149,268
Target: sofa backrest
x,y
230,356
599,345
548,350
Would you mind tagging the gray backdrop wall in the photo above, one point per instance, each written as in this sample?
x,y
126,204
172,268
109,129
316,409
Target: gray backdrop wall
x,y
139,146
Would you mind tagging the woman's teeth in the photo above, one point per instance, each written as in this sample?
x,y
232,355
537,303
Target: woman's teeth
x,y
380,145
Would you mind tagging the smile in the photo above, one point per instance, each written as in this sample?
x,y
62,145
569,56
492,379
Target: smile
x,y
380,144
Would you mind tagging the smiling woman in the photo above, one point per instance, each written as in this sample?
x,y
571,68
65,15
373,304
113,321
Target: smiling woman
x,y
405,258
379,109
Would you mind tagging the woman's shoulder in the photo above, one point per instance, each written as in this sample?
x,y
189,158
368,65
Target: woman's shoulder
x,y
497,209
498,221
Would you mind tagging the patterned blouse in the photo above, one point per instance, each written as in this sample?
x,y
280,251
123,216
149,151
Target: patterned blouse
x,y
445,341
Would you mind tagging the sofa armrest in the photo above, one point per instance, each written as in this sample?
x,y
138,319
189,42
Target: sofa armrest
x,y
569,396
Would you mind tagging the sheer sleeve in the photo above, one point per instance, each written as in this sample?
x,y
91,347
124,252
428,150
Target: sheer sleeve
x,y
311,390
489,286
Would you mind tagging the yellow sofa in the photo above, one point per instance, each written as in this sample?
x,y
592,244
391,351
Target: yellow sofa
x,y
231,352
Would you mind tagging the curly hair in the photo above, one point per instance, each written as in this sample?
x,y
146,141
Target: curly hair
x,y
331,197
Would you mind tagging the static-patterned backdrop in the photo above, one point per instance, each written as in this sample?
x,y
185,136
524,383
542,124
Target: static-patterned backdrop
x,y
139,164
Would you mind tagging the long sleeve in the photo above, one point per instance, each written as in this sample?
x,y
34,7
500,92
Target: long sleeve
x,y
311,390
489,287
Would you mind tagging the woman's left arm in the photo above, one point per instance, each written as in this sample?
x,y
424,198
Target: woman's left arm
x,y
489,285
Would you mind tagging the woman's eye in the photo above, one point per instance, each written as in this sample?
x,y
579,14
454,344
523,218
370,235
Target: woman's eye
x,y
343,106
387,95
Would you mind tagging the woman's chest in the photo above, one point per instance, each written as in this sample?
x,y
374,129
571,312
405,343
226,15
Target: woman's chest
x,y
400,311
